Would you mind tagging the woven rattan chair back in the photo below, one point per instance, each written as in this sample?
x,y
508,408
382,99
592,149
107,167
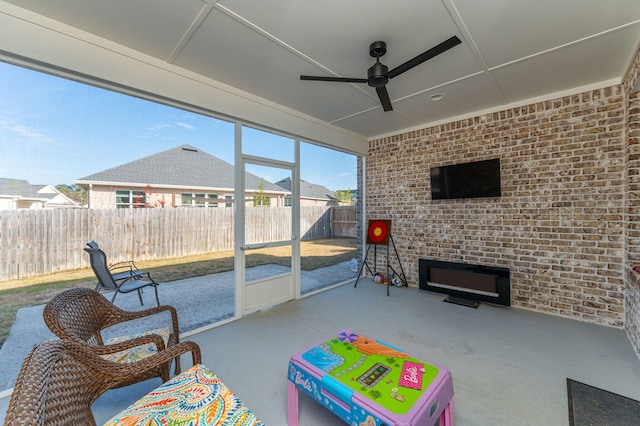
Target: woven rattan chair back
x,y
53,388
81,313
60,379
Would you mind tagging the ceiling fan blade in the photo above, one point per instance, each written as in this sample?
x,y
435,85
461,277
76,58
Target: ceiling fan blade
x,y
425,56
384,98
339,79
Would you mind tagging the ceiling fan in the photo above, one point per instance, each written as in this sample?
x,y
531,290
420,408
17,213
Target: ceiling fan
x,y
379,75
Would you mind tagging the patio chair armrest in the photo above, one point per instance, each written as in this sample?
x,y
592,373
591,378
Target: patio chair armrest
x,y
122,372
124,270
148,274
128,264
183,348
135,275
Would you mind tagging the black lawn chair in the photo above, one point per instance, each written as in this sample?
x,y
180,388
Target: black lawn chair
x,y
121,270
121,282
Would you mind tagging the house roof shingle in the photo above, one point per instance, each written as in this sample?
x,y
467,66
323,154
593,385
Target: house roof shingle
x,y
47,194
20,188
308,190
183,166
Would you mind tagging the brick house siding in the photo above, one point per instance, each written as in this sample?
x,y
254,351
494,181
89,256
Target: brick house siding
x,y
567,223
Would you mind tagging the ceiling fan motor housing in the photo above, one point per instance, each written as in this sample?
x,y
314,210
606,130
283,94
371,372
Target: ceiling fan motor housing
x,y
376,75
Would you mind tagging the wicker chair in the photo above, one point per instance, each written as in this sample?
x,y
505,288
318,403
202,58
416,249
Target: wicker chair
x,y
82,314
60,379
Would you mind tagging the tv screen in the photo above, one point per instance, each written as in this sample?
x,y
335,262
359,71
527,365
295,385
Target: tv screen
x,y
468,180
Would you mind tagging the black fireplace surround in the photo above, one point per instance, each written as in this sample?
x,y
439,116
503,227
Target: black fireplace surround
x,y
466,284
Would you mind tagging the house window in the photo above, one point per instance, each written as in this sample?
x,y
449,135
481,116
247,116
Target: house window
x,y
287,202
228,197
199,200
130,199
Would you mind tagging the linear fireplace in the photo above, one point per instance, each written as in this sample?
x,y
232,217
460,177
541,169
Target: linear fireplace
x,y
466,284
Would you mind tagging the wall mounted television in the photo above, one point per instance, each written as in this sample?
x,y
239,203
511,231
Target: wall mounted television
x,y
467,180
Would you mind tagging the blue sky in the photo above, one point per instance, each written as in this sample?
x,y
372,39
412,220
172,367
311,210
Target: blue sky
x,y
55,131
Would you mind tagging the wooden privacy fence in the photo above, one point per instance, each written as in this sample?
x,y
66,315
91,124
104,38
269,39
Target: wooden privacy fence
x,y
343,221
35,242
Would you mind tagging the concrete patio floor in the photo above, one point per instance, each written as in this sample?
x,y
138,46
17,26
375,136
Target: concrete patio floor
x,y
509,365
199,301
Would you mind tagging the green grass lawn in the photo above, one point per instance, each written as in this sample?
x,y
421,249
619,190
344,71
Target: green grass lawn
x,y
16,294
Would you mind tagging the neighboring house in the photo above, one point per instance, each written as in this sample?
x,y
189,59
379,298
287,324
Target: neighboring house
x,y
310,194
184,176
20,194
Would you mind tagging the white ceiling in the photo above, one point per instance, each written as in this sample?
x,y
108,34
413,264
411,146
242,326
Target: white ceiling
x,y
511,50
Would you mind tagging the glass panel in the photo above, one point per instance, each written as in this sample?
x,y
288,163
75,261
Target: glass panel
x,y
139,199
200,200
328,245
266,218
268,145
122,199
58,132
267,262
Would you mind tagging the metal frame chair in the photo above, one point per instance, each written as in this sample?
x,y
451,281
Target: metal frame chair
x,y
121,282
120,270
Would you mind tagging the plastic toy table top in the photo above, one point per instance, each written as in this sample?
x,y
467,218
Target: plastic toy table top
x,y
350,366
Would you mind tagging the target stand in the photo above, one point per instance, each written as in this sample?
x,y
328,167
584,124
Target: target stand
x,y
379,233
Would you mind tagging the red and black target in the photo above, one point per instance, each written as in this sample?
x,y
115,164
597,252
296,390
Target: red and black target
x,y
378,232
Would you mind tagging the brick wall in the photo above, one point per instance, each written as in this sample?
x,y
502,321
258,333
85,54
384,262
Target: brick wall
x,y
632,243
559,224
632,284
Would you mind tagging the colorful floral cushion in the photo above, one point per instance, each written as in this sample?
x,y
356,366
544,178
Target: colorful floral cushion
x,y
195,397
139,352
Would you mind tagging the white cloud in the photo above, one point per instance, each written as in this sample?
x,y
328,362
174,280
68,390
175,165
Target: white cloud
x,y
186,126
31,135
159,126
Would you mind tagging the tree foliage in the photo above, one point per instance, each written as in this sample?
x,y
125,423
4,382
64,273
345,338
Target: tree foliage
x,y
344,196
261,198
75,192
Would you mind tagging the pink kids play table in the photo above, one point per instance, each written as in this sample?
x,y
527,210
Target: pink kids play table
x,y
366,382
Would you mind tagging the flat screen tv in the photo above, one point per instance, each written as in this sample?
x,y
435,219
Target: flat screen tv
x,y
468,180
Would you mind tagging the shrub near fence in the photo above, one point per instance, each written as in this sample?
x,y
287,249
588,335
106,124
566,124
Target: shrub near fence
x,y
35,242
